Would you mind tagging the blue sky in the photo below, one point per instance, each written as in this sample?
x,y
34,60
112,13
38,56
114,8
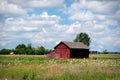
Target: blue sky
x,y
47,22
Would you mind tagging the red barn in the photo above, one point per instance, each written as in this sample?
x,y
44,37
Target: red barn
x,y
70,50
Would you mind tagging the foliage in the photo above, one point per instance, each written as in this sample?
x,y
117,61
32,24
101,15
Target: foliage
x,y
105,52
83,37
23,49
21,46
41,51
5,51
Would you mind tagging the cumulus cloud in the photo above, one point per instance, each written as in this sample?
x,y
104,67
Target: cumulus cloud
x,y
74,28
38,3
82,16
45,3
117,14
103,6
30,23
11,9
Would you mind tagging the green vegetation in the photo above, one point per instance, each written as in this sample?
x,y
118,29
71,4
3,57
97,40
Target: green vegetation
x,y
83,37
23,49
37,67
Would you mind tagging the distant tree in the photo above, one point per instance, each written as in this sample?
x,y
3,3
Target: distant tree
x,y
93,52
29,46
30,49
41,50
20,49
21,46
84,38
47,51
23,49
105,52
4,51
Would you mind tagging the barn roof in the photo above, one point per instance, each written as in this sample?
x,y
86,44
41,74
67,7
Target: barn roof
x,y
75,45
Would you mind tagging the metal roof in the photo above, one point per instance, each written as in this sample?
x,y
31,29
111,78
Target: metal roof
x,y
76,45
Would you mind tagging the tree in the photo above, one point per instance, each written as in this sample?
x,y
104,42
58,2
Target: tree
x,y
21,46
4,51
105,52
20,49
41,51
23,49
30,49
29,46
83,37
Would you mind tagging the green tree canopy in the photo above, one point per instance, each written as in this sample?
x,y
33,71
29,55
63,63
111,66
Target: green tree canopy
x,y
26,49
29,46
21,46
105,52
84,38
4,51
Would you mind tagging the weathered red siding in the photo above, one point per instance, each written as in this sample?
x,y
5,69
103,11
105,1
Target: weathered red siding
x,y
50,54
62,51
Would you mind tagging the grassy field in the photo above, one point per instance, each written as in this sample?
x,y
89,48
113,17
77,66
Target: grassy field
x,y
37,67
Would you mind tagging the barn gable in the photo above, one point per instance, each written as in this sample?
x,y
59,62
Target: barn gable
x,y
62,51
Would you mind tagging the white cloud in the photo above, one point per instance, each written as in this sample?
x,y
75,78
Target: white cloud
x,y
5,38
90,9
82,16
11,9
2,35
117,42
45,18
103,6
30,23
3,43
100,16
42,37
74,28
45,3
117,14
38,3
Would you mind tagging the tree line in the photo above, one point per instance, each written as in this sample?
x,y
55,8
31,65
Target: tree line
x,y
26,49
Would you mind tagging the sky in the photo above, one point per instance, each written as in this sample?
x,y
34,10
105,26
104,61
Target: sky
x,y
47,22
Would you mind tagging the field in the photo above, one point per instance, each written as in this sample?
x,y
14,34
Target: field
x,y
37,67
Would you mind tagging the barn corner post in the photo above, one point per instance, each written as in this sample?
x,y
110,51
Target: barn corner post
x,y
88,53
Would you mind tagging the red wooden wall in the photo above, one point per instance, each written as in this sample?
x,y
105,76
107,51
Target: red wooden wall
x,y
50,54
62,51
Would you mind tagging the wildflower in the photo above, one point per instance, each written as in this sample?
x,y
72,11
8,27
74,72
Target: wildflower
x,y
6,79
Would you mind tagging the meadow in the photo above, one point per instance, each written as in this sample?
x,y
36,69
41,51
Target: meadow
x,y
37,67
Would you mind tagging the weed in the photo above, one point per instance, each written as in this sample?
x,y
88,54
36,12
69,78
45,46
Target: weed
x,y
25,77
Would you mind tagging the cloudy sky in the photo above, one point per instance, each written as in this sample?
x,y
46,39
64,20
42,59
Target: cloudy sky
x,y
47,22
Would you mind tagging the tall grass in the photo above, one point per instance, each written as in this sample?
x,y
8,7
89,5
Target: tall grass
x,y
36,67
